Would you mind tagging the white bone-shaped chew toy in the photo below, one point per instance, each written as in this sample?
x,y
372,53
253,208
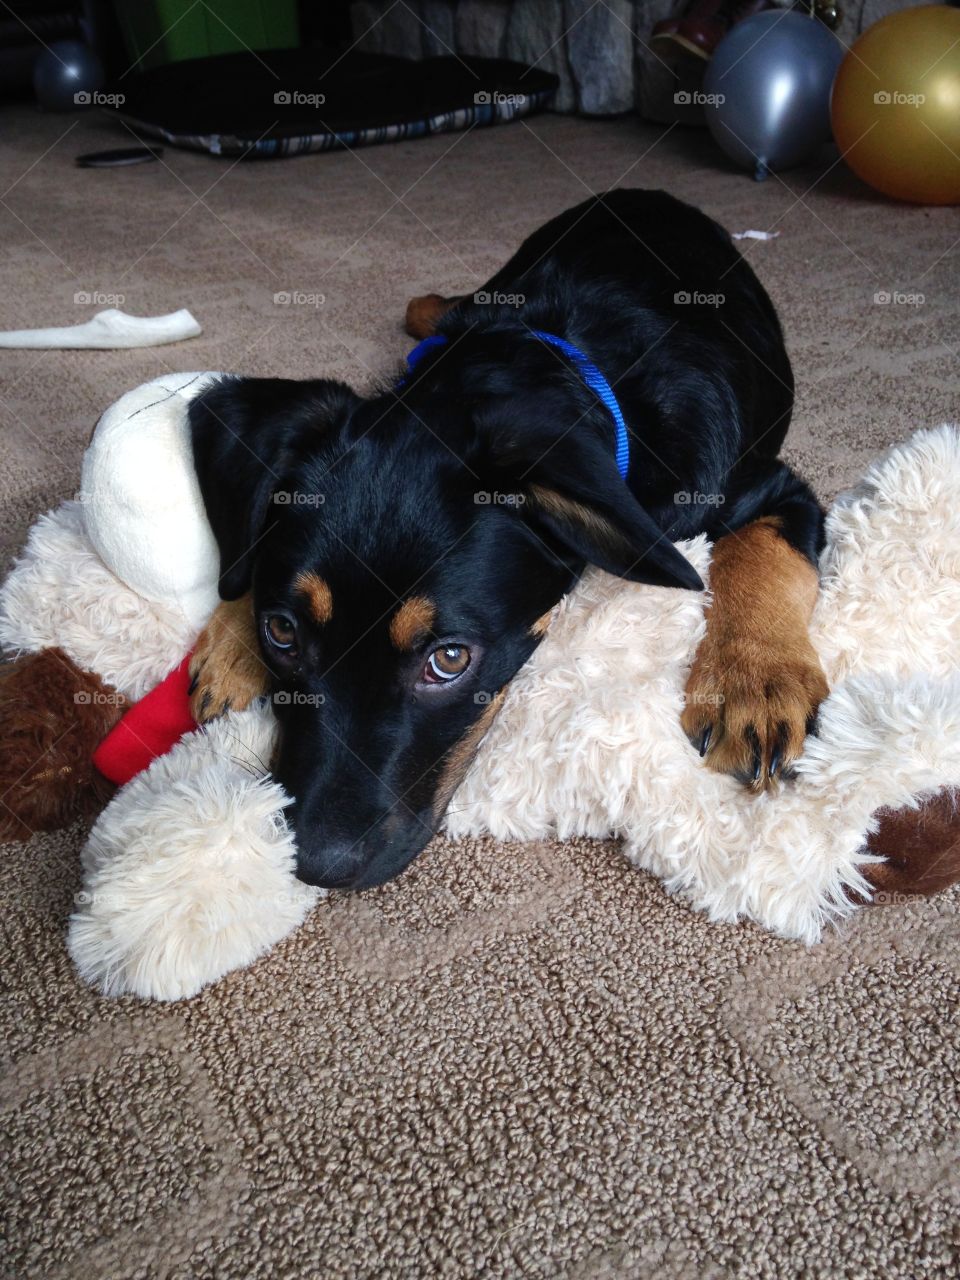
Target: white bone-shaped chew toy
x,y
107,331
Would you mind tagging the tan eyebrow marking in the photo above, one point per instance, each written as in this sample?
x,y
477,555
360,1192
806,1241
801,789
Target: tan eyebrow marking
x,y
318,595
412,620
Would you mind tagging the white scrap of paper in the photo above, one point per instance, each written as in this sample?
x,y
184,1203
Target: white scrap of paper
x,y
755,235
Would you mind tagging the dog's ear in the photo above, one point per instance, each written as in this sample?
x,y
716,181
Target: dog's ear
x,y
618,537
247,433
573,489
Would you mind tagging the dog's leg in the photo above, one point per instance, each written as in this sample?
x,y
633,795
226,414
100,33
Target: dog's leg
x,y
423,314
756,682
226,669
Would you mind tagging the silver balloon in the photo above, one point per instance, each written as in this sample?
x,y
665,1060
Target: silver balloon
x,y
767,89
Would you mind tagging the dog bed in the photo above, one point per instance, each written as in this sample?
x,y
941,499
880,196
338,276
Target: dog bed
x,y
292,101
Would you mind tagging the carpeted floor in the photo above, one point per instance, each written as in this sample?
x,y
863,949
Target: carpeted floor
x,y
514,1060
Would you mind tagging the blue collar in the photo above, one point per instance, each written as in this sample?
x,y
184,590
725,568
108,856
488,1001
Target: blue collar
x,y
585,367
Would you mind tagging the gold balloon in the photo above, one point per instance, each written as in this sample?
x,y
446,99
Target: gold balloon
x,y
896,105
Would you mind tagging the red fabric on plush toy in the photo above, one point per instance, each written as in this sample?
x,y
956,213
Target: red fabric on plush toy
x,y
149,729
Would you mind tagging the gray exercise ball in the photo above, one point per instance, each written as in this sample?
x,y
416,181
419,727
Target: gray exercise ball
x,y
66,75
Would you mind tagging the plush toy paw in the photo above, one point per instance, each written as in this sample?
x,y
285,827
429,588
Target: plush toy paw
x,y
189,871
226,669
53,716
750,704
921,848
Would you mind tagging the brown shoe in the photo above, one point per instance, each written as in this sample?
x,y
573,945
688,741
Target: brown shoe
x,y
704,23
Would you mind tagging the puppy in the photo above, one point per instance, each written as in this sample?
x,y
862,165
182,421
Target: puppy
x,y
388,564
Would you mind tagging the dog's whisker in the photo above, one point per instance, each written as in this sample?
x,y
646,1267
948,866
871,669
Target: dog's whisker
x,y
243,762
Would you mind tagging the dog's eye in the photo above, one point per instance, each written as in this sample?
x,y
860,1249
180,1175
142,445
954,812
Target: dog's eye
x,y
446,663
281,631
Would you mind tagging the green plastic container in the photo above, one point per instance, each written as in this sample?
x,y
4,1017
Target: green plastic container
x,y
156,32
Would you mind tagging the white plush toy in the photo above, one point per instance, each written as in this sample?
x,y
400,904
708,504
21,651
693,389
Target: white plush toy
x,y
189,871
142,498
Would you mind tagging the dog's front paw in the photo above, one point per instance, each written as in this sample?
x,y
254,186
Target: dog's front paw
x,y
226,670
750,703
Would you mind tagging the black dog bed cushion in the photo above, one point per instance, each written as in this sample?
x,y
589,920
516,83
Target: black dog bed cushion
x,y
291,101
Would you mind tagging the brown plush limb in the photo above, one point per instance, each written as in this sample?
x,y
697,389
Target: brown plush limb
x,y
53,716
921,847
756,681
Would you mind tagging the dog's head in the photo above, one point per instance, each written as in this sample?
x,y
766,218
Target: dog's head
x,y
404,553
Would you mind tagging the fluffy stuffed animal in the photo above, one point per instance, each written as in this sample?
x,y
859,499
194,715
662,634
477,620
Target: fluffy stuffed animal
x,y
188,871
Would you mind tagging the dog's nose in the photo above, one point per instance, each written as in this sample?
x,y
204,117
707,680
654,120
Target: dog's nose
x,y
351,866
337,868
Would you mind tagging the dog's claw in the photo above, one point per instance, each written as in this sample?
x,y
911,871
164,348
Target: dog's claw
x,y
705,737
760,704
779,754
757,755
226,669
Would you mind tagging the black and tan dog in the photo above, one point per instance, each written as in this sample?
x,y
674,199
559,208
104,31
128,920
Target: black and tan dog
x,y
393,561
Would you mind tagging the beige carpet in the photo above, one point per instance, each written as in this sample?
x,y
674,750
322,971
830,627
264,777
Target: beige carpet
x,y
514,1061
